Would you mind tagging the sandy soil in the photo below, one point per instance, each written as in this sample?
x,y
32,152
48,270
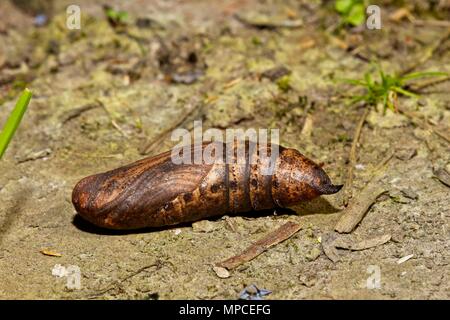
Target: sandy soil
x,y
101,96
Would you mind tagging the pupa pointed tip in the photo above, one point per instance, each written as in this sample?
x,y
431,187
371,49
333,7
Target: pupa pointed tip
x,y
332,189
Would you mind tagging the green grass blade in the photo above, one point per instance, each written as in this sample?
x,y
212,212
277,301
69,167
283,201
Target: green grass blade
x,y
416,75
355,82
14,120
405,92
369,81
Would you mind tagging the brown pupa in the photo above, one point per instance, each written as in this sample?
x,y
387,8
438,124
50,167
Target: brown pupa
x,y
155,192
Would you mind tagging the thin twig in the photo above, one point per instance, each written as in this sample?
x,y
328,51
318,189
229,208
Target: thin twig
x,y
354,213
74,113
115,125
286,231
161,136
431,23
116,283
381,165
352,159
427,83
427,55
113,122
418,120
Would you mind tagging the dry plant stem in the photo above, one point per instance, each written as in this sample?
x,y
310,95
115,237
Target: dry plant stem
x,y
113,122
353,214
149,146
284,232
352,159
431,23
72,114
418,120
377,171
427,83
427,55
157,264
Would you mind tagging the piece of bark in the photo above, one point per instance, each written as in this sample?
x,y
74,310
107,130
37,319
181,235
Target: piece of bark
x,y
284,232
349,244
354,213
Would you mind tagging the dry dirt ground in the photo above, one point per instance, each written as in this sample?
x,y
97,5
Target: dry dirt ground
x,y
104,96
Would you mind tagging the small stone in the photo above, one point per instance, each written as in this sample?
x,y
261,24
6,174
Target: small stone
x,y
275,73
309,233
221,272
313,254
59,271
406,153
307,280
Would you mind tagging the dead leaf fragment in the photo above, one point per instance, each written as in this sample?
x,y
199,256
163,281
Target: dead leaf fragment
x,y
347,243
307,43
232,83
400,14
50,253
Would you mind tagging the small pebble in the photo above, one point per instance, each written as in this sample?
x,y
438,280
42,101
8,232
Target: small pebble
x,y
406,154
221,272
313,254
